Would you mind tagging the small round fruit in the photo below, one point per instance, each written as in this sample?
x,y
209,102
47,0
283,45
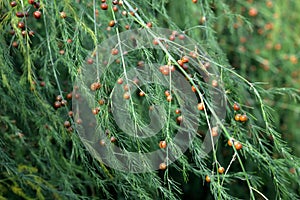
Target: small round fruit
x,y
63,15
31,1
101,101
114,51
79,121
149,24
243,118
115,9
169,98
95,111
214,83
70,113
126,87
236,107
102,142
177,111
237,117
126,95
69,95
21,25
115,2
13,3
180,62
64,102
142,93
181,37
207,179
194,1
112,23
120,81
57,104
238,146
179,119
31,33
95,86
155,42
230,142
104,6
194,89
42,83
113,139
200,106
67,124
162,144
214,131
252,12
37,14
185,59
162,166
172,37
58,98
167,93
221,170
12,32
15,44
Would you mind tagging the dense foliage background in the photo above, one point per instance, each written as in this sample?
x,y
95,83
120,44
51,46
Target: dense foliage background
x,y
44,45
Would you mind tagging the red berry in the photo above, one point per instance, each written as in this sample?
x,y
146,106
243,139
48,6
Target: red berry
x,y
104,6
57,104
58,98
37,14
141,94
162,144
13,3
21,25
237,117
221,170
64,102
207,179
179,119
185,59
67,124
95,86
238,146
102,142
95,111
69,95
19,14
200,106
253,12
115,9
31,1
42,83
230,142
63,15
236,107
112,23
114,51
126,95
101,101
31,33
162,166
112,139
149,24
15,44
243,118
